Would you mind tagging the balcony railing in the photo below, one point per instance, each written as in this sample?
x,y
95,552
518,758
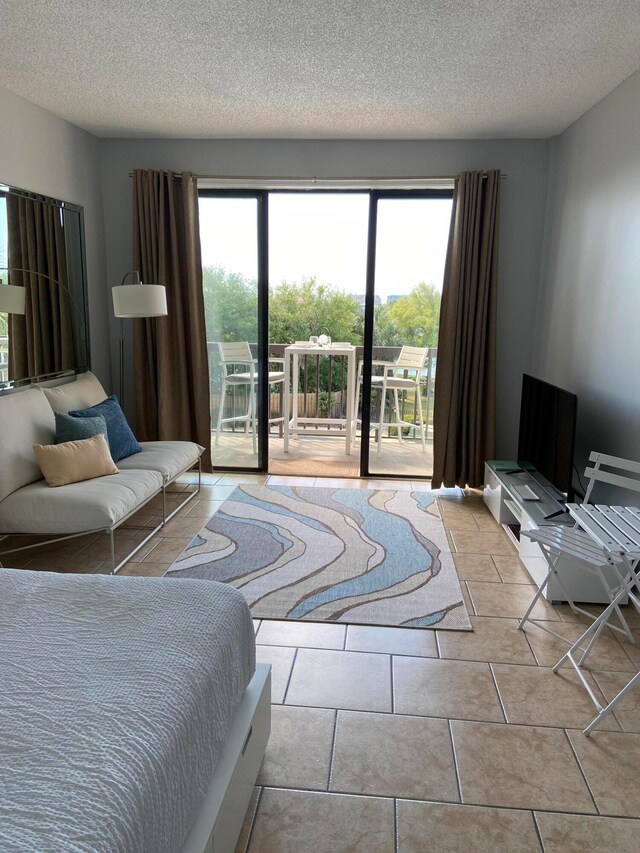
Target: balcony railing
x,y
323,390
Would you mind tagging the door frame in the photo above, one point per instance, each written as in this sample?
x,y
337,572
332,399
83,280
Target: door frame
x,y
369,309
262,234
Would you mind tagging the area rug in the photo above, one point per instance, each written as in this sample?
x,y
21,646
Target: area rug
x,y
365,556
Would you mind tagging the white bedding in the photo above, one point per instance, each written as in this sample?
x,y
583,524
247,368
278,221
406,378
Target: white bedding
x,y
116,696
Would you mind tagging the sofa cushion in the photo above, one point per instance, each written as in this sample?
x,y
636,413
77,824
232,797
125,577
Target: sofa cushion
x,y
90,505
75,461
170,458
75,429
122,441
25,419
84,391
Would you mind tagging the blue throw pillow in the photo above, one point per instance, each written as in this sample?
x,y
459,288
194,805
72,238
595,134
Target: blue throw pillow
x,y
69,428
122,441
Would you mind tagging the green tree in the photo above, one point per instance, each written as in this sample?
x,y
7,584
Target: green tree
x,y
230,305
297,311
417,316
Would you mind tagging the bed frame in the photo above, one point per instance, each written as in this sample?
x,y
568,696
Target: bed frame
x,y
218,825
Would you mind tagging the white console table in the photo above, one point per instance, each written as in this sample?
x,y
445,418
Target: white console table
x,y
510,509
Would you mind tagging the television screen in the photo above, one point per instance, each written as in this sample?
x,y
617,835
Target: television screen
x,y
547,431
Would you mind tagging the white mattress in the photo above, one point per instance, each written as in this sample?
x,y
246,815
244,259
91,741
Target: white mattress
x,y
116,696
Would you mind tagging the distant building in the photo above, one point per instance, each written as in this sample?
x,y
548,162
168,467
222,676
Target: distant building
x,y
393,298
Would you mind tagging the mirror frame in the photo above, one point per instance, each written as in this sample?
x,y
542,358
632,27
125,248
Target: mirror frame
x,y
80,321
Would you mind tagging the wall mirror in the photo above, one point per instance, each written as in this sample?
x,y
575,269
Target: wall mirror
x,y
44,331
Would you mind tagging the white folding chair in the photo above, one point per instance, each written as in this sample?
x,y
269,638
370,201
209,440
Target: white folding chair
x,y
586,549
238,354
394,378
586,642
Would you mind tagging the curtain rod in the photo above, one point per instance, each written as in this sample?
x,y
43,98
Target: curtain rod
x,y
314,179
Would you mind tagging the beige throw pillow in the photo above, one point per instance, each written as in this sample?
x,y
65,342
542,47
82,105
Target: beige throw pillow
x,y
74,461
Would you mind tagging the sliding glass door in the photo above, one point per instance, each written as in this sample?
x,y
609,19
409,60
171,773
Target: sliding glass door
x,y
408,241
233,262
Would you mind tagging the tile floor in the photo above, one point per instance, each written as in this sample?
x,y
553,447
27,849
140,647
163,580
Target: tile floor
x,y
391,739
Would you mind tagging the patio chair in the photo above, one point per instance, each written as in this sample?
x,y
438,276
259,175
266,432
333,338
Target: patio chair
x,y
560,542
238,354
394,378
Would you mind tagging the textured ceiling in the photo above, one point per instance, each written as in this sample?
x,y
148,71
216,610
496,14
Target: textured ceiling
x,y
384,69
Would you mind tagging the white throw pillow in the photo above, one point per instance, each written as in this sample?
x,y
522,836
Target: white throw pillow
x,y
83,392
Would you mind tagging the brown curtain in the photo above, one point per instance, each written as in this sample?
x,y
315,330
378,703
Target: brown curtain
x,y
170,353
41,340
465,389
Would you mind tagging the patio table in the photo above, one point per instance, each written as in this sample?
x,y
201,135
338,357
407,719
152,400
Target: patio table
x,y
293,423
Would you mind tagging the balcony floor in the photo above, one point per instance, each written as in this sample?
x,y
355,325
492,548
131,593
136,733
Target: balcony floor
x,y
321,456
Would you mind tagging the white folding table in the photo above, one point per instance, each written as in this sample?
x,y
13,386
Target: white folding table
x,y
294,424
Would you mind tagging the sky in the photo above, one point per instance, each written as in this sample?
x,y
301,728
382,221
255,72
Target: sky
x,y
325,235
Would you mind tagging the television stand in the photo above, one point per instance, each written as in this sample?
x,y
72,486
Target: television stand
x,y
508,487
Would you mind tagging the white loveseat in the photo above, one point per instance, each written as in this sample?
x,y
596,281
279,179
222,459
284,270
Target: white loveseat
x,y
29,506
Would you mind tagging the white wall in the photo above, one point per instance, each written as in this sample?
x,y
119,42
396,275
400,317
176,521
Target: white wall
x,y
523,200
45,154
588,337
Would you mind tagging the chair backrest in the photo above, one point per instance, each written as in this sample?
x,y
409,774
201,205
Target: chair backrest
x,y
412,358
235,352
597,473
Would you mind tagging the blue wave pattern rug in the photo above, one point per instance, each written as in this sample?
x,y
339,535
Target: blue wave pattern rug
x,y
365,556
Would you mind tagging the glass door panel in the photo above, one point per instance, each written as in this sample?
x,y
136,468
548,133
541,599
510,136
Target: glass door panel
x,y
229,239
411,244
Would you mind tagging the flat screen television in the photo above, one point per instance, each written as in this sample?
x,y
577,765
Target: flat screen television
x,y
548,432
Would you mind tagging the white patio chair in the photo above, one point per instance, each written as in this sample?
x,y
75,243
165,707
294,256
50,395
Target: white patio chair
x,y
238,354
558,542
394,378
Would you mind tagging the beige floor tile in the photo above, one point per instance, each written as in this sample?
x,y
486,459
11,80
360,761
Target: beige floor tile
x,y
610,761
482,542
467,598
399,485
166,550
453,828
394,756
219,492
607,653
299,749
281,480
87,564
627,712
181,526
247,824
512,570
492,639
417,642
298,821
508,599
235,478
486,521
145,569
463,522
476,567
203,509
281,660
518,767
351,680
461,690
572,833
537,696
314,635
339,483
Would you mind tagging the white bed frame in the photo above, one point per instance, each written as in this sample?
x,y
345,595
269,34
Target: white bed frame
x,y
217,827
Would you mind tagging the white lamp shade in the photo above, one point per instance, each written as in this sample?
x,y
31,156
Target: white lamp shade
x,y
139,300
12,299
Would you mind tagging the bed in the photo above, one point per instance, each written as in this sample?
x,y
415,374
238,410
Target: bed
x,y
132,715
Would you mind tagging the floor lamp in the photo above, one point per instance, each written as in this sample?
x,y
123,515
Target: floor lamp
x,y
136,300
